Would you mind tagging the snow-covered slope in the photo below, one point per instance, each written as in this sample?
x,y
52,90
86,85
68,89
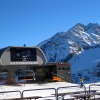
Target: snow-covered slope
x,y
87,65
80,45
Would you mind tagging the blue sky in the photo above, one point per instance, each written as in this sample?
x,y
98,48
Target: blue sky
x,y
33,21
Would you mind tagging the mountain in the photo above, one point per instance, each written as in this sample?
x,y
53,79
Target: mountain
x,y
80,46
74,41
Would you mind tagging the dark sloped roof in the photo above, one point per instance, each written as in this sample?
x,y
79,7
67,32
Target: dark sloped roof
x,y
2,50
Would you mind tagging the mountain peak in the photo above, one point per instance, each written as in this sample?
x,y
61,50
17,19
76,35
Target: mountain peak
x,y
92,26
77,39
78,26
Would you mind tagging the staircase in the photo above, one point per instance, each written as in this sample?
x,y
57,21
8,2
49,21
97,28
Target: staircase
x,y
56,78
62,77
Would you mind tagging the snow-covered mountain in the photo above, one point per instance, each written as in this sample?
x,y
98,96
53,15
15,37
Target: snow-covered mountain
x,y
77,39
80,45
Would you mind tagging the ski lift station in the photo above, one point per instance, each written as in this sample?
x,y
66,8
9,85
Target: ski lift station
x,y
30,63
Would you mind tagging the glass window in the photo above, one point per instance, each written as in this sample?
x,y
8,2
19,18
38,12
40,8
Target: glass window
x,y
63,68
59,68
67,68
23,54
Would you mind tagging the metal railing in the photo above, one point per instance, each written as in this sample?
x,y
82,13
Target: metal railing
x,y
67,87
93,85
22,96
54,89
10,92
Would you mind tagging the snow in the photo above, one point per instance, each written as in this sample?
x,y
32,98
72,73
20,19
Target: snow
x,y
86,59
41,85
54,51
85,63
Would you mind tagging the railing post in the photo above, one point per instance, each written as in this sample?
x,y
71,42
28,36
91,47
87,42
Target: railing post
x,y
84,88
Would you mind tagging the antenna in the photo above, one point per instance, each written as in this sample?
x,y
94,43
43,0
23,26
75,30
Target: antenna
x,y
24,45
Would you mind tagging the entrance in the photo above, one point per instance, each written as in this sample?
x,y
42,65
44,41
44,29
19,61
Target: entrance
x,y
44,72
48,70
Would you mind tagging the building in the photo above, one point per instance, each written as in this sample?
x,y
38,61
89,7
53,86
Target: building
x,y
13,58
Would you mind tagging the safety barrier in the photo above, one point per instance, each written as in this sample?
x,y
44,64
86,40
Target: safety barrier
x,y
68,87
12,91
21,93
55,91
39,89
93,85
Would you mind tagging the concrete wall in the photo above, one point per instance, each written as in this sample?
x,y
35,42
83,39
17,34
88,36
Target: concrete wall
x,y
5,59
66,72
40,57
